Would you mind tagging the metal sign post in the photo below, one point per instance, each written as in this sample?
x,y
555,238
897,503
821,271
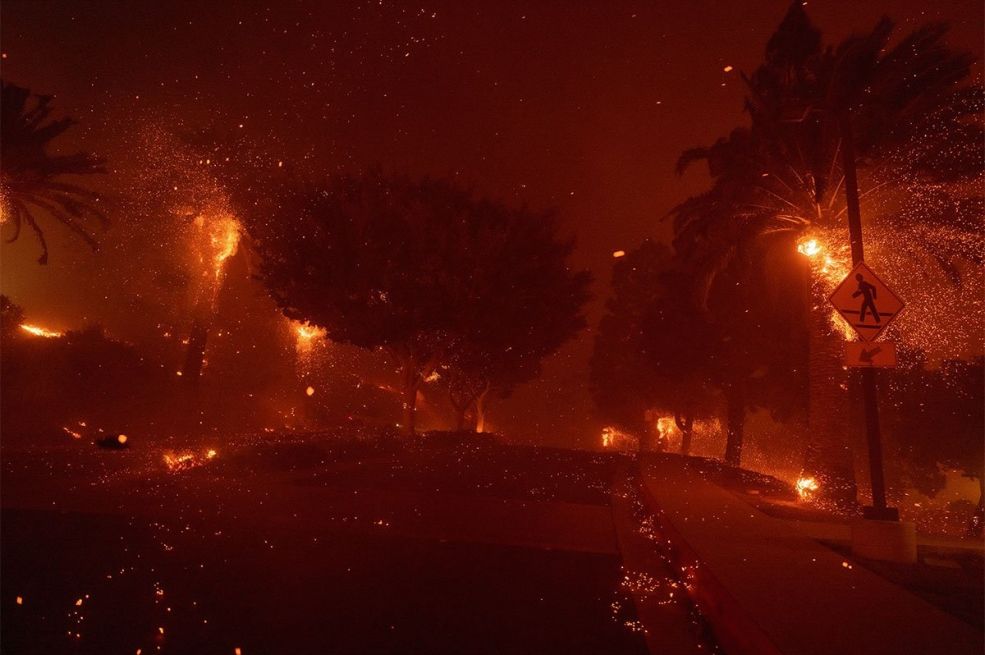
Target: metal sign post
x,y
867,301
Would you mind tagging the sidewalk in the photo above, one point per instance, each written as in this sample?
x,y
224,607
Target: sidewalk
x,y
841,533
767,587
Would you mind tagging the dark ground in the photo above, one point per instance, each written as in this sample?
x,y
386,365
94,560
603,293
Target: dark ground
x,y
210,555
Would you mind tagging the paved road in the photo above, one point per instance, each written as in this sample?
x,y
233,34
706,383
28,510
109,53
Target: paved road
x,y
279,553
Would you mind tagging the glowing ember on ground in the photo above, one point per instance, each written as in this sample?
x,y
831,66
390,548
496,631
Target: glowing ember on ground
x,y
72,433
121,439
613,437
806,486
619,253
310,391
39,331
187,460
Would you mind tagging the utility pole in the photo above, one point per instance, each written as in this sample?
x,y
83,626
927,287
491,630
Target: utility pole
x,y
869,391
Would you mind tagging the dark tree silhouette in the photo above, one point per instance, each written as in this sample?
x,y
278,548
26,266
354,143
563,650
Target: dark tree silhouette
x,y
421,270
81,376
658,348
522,304
936,418
32,181
913,123
11,317
654,347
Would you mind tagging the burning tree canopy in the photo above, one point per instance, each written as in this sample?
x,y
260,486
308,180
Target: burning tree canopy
x,y
913,122
425,272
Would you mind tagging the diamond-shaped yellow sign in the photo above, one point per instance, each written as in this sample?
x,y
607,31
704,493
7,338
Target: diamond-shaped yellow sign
x,y
866,302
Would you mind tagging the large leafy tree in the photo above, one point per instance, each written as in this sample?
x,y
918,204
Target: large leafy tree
x,y
33,181
524,302
655,349
422,271
904,113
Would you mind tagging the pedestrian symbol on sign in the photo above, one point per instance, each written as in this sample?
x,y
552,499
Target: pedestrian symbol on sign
x,y
868,293
866,302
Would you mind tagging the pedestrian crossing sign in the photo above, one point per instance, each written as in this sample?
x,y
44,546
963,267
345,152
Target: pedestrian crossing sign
x,y
866,302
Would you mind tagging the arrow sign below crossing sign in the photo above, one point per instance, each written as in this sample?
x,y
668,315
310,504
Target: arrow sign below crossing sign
x,y
866,302
860,354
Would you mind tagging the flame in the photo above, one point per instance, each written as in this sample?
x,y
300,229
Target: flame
x,y
613,437
227,241
187,460
224,238
806,486
829,266
307,331
217,239
306,338
808,247
39,331
666,426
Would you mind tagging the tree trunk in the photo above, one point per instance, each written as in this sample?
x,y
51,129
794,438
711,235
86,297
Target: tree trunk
x,y
829,416
461,403
975,525
411,382
735,424
195,354
686,425
460,419
647,429
480,410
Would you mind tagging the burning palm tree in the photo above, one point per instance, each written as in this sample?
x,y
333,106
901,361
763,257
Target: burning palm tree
x,y
903,112
32,181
